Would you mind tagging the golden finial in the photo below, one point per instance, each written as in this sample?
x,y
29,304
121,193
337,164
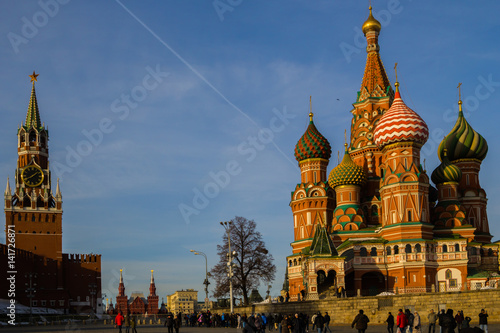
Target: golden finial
x,y
311,114
345,137
459,97
33,77
338,157
397,82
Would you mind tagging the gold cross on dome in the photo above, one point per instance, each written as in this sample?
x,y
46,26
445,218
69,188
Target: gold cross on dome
x,y
33,77
459,93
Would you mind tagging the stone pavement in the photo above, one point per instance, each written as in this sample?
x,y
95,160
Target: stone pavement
x,y
99,328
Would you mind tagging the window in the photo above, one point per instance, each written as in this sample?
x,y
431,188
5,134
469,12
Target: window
x,y
19,217
457,248
363,252
373,252
418,248
409,216
35,303
473,251
388,250
396,249
467,182
448,274
44,302
61,303
445,248
408,248
52,302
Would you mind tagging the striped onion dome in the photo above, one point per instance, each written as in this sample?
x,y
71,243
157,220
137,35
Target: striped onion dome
x,y
446,172
312,144
347,173
463,142
400,124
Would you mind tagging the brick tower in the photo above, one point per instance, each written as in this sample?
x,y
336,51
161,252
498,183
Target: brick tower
x,y
33,208
152,298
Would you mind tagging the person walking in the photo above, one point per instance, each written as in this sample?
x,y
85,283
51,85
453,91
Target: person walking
x,y
390,323
401,321
410,318
319,321
459,318
483,320
119,321
416,322
127,323
169,322
432,318
313,321
361,322
327,323
133,324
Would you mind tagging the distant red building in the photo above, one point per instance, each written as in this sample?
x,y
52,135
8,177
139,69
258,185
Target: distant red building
x,y
137,303
33,227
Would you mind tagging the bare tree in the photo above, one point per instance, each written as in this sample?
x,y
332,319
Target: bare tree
x,y
253,263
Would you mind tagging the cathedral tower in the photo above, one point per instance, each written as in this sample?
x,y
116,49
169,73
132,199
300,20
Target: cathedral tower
x,y
466,149
313,199
33,209
404,186
373,100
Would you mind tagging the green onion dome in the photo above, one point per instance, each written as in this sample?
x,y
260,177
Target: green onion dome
x,y
312,144
347,173
463,142
446,172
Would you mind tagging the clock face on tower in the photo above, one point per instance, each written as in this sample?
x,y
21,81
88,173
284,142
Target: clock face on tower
x,y
32,176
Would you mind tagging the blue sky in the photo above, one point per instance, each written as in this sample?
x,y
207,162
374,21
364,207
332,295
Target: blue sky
x,y
150,103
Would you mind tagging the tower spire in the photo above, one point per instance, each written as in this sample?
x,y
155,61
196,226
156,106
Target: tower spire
x,y
459,98
8,191
397,82
33,115
311,114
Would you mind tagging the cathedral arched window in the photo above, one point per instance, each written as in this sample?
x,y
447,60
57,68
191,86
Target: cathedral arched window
x,y
388,250
457,248
295,262
19,217
473,251
448,275
33,219
445,248
373,252
418,248
289,263
408,248
396,249
363,252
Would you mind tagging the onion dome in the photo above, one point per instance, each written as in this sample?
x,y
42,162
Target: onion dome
x,y
312,144
347,173
446,172
371,24
400,124
463,142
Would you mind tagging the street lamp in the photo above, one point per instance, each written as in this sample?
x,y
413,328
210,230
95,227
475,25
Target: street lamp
x,y
206,283
227,226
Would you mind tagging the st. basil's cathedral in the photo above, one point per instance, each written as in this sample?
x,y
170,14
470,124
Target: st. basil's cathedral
x,y
375,224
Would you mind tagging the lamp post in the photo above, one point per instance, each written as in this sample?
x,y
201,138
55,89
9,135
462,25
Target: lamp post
x,y
206,283
227,226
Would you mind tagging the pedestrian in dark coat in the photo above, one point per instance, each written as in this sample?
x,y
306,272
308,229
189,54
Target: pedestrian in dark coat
x,y
169,322
361,322
390,323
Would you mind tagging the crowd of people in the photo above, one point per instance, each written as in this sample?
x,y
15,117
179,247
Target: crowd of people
x,y
444,321
405,322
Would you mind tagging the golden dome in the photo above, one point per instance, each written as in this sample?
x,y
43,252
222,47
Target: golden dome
x,y
371,24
